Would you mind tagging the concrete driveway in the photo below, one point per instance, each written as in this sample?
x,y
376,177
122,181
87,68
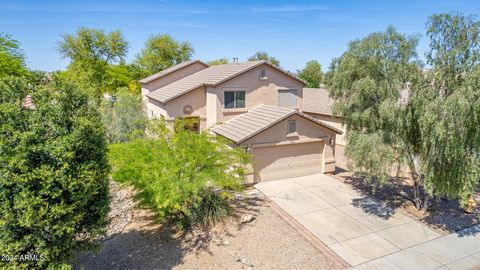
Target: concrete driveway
x,y
358,228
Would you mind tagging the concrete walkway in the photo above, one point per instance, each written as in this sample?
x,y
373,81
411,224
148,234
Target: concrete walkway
x,y
363,231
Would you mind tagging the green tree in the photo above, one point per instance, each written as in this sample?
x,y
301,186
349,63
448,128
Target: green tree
x,y
53,174
125,118
92,52
449,102
184,176
12,59
161,52
264,56
220,61
312,74
433,129
366,83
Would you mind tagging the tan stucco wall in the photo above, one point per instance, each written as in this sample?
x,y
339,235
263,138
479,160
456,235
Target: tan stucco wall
x,y
174,108
334,122
195,98
306,129
155,109
160,82
212,106
257,91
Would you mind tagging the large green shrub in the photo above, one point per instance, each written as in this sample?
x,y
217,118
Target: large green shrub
x,y
53,175
183,176
125,118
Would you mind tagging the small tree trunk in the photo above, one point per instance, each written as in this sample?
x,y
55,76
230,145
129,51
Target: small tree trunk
x,y
426,203
416,183
416,192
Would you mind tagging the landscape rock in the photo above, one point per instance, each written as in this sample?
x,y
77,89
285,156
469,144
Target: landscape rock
x,y
247,218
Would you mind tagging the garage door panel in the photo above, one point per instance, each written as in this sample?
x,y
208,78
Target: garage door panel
x,y
278,162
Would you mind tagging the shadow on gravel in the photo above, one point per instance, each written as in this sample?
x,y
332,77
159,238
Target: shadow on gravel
x,y
444,214
148,244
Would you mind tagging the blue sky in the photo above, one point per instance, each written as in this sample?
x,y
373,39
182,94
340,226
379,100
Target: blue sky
x,y
292,31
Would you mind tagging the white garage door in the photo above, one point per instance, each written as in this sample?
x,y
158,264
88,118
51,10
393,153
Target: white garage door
x,y
284,161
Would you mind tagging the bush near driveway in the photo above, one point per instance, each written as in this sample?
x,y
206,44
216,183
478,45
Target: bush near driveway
x,y
53,175
184,176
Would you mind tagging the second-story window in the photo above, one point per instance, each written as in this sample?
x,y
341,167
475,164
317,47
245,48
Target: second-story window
x,y
234,99
287,97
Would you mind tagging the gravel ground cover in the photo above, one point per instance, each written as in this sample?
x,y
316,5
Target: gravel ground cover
x,y
444,215
267,242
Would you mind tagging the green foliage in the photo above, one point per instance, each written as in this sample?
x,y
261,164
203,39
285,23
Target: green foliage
x,y
120,76
264,56
12,60
212,208
435,130
454,48
92,52
177,172
312,74
125,118
450,107
161,52
372,156
366,83
219,61
53,174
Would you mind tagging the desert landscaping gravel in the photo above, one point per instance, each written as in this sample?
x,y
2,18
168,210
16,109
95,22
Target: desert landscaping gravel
x,y
266,242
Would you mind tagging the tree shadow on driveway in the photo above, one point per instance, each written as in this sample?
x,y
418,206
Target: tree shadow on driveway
x,y
444,215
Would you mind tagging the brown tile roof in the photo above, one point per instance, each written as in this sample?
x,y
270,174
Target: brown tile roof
x,y
258,119
317,100
27,103
211,76
170,70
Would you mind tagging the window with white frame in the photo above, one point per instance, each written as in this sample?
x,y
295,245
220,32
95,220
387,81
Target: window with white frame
x,y
291,126
234,99
287,97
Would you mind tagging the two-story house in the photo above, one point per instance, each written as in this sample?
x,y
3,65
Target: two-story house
x,y
254,104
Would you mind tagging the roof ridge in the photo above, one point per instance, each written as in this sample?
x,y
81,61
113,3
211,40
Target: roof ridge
x,y
169,70
210,76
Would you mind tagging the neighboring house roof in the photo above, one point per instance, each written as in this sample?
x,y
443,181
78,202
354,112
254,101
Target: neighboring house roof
x,y
211,76
317,100
258,119
170,70
27,103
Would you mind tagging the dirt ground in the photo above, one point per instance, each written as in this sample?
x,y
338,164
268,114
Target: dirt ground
x,y
268,242
444,214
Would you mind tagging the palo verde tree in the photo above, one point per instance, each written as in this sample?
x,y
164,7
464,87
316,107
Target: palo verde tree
x,y
183,176
53,174
92,53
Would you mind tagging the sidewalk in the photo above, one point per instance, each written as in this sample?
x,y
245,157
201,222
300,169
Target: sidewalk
x,y
456,251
